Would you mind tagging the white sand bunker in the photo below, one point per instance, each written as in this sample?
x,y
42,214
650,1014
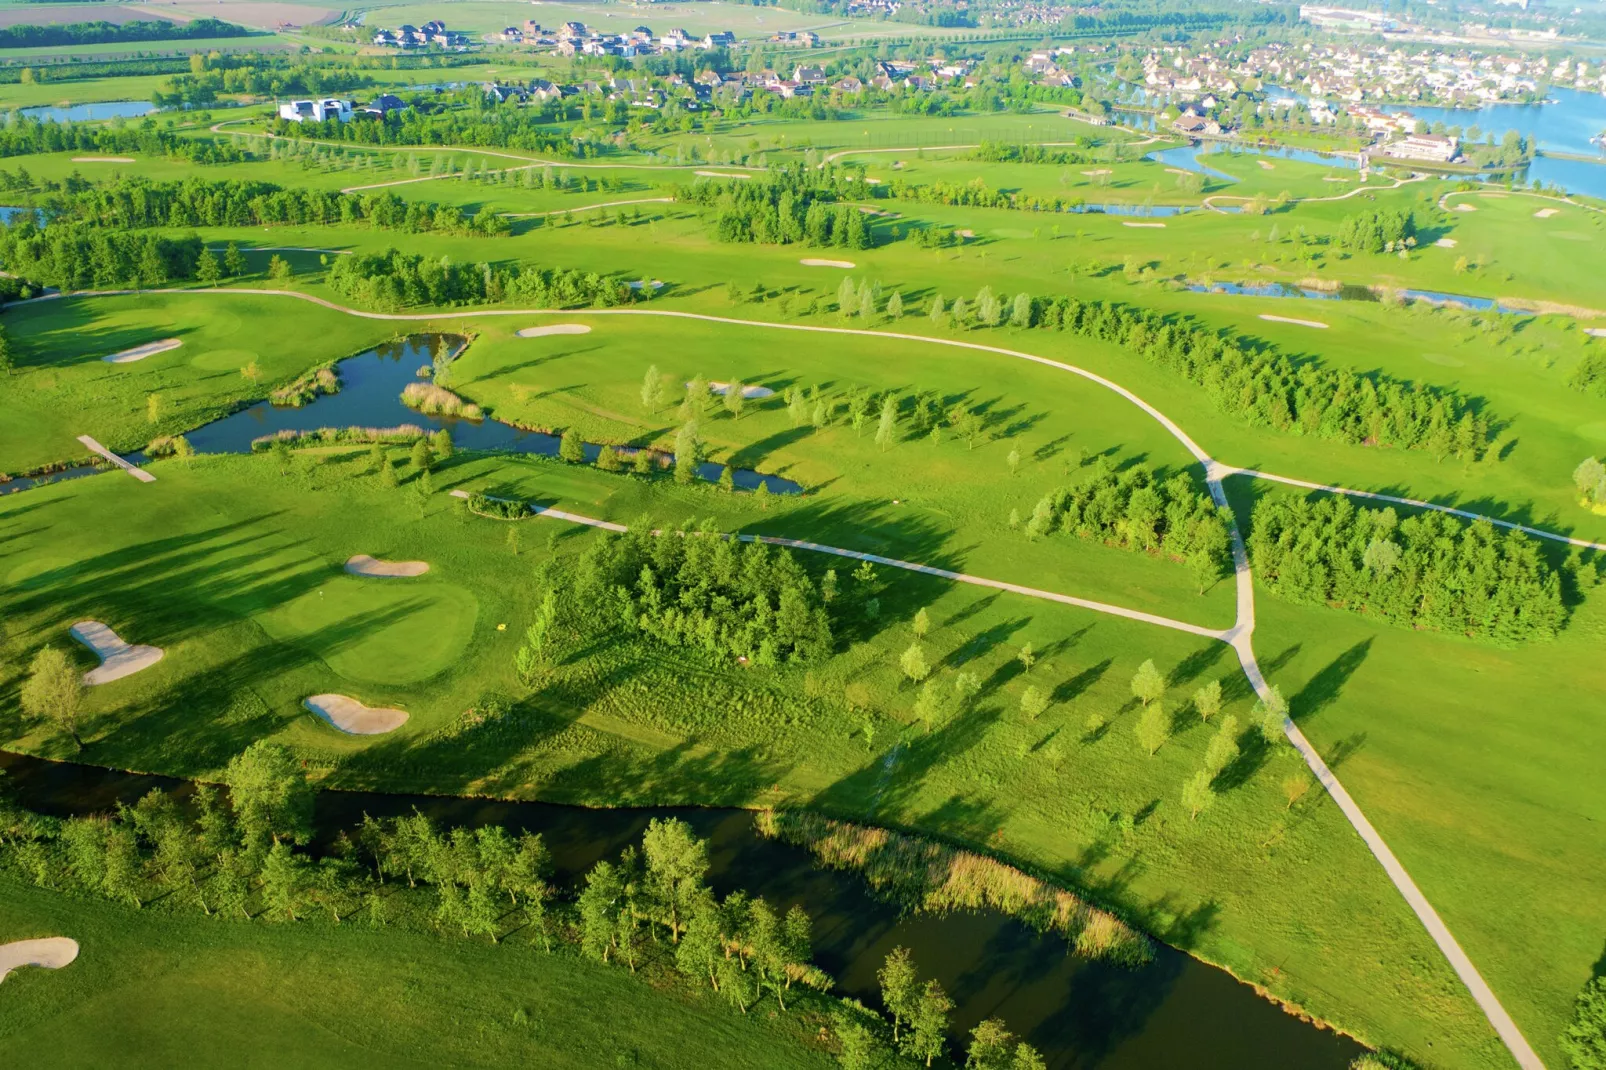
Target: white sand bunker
x,y
117,658
102,159
1169,170
1546,213
1161,226
363,565
51,952
816,262
1464,208
1269,318
349,715
747,391
1445,243
1107,171
556,328
1595,332
722,174
129,356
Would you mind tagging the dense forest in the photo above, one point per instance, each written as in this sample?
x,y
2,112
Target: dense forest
x,y
786,205
1270,389
1135,511
744,599
1428,571
95,33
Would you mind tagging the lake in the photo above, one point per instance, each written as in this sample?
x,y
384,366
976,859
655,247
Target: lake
x,y
1081,1014
77,113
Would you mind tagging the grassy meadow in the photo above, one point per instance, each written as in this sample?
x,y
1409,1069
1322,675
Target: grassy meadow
x,y
156,989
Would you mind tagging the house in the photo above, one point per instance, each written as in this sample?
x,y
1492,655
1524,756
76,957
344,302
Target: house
x,y
318,111
722,39
512,35
849,84
543,90
1431,148
385,39
382,106
572,30
504,93
808,75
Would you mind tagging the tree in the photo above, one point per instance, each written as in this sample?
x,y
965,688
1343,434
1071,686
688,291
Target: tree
x,y
423,458
1222,750
1295,785
1204,568
652,388
847,298
570,448
1584,1039
441,443
608,459
1026,1057
252,372
1152,728
1207,700
761,495
886,430
279,269
1197,794
688,452
677,864
598,905
861,1048
270,794
928,1029
937,311
899,993
701,943
1147,683
120,873
284,880
1026,656
1032,703
54,692
8,360
233,261
895,306
727,479
914,664
1270,713
989,1046
1590,479
153,408
1020,314
1013,460
797,408
207,269
928,704
735,398
922,623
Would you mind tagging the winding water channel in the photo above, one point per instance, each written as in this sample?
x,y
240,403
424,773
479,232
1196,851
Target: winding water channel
x,y
1174,1012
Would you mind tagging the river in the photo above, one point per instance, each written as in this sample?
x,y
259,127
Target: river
x,y
1082,1015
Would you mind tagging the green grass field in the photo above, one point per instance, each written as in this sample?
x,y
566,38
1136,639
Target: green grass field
x,y
1469,758
155,989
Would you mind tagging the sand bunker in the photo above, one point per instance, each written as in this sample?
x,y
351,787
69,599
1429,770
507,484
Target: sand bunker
x,y
813,262
1161,226
129,356
1445,243
102,159
556,328
722,174
363,565
51,952
747,391
1169,170
1267,166
1595,332
1269,318
349,715
1464,208
1546,213
1106,171
117,658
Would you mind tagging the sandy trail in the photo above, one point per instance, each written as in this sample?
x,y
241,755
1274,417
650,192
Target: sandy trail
x,y
1269,318
810,261
363,565
117,658
556,328
129,356
352,717
50,952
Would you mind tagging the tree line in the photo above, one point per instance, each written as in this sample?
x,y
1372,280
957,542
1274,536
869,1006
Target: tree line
x,y
102,32
1429,571
28,137
508,128
394,279
138,202
784,206
1255,381
1378,230
241,855
1135,511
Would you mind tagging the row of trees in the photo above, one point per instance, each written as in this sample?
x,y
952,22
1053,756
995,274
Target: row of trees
x,y
1428,571
394,279
1134,510
102,32
76,258
784,206
139,202
27,137
528,129
1377,230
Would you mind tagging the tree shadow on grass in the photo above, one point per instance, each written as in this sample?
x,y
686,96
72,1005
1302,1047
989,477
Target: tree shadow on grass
x,y
891,781
1325,687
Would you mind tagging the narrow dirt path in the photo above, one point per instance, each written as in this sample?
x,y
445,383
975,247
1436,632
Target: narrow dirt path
x,y
1239,636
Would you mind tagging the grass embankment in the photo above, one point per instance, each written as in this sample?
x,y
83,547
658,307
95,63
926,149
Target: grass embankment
x,y
156,989
224,563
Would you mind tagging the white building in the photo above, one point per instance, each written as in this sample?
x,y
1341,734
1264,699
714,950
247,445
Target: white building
x,y
316,110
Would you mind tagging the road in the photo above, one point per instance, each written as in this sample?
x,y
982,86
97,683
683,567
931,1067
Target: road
x,y
1239,636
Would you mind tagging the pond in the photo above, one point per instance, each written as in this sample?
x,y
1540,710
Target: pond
x,y
78,113
1187,158
1173,1012
1350,292
371,384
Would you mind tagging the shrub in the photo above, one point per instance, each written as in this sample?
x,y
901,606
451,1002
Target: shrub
x,y
432,400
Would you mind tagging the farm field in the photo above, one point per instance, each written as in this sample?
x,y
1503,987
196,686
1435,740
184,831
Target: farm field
x,y
1059,473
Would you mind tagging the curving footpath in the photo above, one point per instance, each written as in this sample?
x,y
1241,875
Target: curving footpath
x,y
1239,636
